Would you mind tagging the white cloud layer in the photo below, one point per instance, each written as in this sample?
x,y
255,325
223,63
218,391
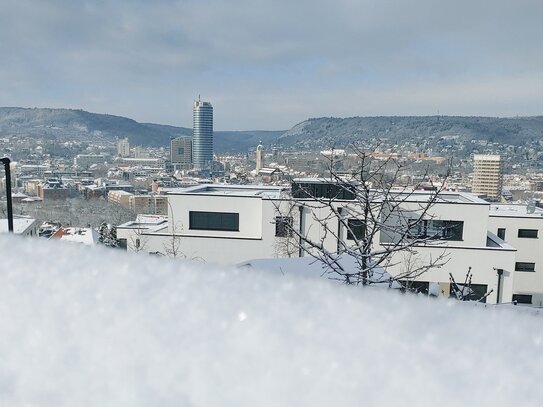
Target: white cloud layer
x,y
270,64
82,327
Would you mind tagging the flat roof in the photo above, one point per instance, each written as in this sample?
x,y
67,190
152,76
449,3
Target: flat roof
x,y
20,225
514,211
233,190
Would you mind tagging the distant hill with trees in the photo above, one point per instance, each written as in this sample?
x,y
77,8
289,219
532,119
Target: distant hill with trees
x,y
311,134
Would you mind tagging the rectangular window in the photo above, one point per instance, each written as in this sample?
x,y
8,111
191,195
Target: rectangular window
x,y
227,221
181,150
501,233
357,229
528,233
436,229
283,226
522,298
523,266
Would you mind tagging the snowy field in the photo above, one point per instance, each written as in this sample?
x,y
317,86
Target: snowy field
x,y
94,327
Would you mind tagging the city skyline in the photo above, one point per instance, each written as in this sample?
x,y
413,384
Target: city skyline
x,y
283,62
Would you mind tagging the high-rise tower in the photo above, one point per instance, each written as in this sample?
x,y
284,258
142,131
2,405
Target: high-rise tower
x,y
487,176
259,158
202,135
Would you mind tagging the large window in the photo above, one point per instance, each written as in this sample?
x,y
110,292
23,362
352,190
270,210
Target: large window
x,y
283,226
214,221
329,190
436,229
523,266
357,229
528,233
522,298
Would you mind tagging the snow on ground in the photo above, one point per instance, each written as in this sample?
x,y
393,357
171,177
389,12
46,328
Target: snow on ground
x,y
86,326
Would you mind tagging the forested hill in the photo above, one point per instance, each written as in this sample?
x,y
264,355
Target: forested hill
x,y
69,124
328,131
312,134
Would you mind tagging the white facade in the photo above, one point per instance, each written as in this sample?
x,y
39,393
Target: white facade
x,y
246,217
522,228
123,148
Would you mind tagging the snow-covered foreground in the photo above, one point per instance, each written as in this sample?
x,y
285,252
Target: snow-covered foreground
x,y
82,327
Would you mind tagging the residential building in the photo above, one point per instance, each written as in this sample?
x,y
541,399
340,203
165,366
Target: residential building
x,y
202,136
181,153
53,189
249,222
21,226
123,148
521,226
487,176
84,161
148,204
121,198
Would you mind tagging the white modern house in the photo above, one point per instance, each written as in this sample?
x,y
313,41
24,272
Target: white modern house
x,y
234,224
522,227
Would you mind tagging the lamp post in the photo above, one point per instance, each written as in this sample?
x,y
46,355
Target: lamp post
x,y
7,170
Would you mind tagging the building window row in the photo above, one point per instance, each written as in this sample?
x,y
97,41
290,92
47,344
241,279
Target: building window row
x,y
436,229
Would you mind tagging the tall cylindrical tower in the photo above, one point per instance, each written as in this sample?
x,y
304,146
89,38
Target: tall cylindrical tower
x,y
202,135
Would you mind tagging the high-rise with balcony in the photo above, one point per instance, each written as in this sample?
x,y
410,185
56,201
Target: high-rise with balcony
x,y
202,136
487,176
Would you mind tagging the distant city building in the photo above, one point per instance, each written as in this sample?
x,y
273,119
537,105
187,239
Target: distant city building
x,y
84,161
202,135
259,158
140,152
123,148
487,176
181,153
53,189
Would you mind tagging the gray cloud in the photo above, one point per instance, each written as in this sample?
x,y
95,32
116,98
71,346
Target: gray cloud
x,y
270,64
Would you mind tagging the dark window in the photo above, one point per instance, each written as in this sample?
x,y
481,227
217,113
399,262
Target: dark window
x,y
181,150
137,243
357,229
522,298
523,266
323,190
283,226
501,233
528,233
436,229
123,244
472,292
214,221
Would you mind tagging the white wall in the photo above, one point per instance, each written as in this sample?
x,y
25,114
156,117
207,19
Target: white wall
x,y
528,250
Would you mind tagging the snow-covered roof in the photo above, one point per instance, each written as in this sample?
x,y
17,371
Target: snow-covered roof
x,y
515,211
20,225
87,236
234,190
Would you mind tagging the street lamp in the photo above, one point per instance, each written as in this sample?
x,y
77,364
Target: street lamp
x,y
7,170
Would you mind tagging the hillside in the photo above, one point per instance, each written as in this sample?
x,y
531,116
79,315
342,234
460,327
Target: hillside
x,y
327,131
68,124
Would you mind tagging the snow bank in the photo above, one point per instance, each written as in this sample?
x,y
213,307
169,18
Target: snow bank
x,y
87,326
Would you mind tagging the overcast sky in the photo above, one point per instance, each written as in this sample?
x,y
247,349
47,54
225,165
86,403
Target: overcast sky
x,y
269,64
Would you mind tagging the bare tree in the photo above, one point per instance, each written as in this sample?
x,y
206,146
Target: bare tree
x,y
371,214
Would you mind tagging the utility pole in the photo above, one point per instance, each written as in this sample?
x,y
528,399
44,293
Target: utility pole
x,y
7,170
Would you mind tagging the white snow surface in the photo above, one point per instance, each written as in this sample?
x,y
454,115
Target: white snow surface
x,y
89,326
